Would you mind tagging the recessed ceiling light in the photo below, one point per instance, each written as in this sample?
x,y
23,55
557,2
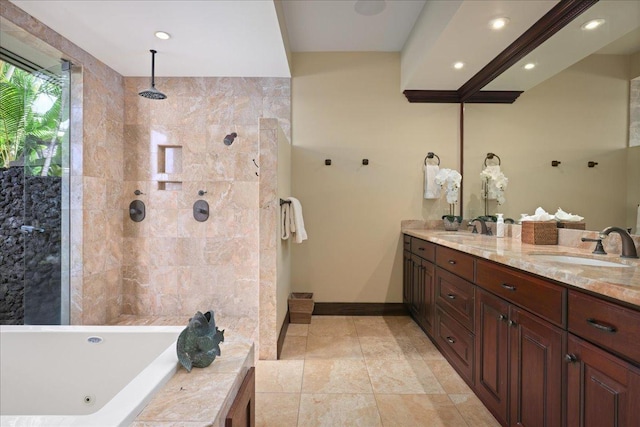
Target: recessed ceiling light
x,y
162,35
498,23
529,66
369,7
593,24
458,65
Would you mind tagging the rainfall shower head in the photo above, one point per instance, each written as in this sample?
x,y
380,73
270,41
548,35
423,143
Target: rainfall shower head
x,y
152,92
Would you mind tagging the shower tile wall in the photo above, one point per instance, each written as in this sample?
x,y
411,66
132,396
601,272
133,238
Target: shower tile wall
x,y
173,264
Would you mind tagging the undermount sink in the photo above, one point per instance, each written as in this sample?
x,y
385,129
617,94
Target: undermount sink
x,y
570,259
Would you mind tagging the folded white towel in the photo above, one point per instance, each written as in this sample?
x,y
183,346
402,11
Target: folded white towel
x,y
431,189
297,223
285,221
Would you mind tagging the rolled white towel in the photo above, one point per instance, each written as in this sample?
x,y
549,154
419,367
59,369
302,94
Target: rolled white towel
x,y
431,189
297,220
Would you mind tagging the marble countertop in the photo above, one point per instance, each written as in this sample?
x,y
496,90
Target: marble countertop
x,y
619,283
203,397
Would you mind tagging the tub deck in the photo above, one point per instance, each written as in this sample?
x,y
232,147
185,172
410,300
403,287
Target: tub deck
x,y
203,397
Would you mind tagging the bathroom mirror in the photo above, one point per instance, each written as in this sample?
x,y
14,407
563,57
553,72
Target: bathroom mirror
x,y
575,113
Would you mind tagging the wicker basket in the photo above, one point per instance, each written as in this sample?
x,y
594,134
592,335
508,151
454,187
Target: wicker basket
x,y
300,307
540,232
575,225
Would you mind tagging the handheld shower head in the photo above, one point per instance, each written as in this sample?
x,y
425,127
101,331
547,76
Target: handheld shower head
x,y
152,92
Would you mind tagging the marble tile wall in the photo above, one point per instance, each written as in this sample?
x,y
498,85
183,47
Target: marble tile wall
x,y
173,264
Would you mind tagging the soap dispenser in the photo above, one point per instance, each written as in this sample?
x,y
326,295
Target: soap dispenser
x,y
499,225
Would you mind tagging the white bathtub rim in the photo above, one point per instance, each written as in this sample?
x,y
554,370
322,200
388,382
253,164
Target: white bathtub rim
x,y
130,401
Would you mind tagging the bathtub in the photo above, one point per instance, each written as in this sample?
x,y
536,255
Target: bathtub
x,y
82,375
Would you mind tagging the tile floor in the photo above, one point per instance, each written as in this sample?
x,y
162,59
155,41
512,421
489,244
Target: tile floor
x,y
363,371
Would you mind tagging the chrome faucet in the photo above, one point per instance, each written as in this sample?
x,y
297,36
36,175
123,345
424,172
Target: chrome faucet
x,y
628,247
483,227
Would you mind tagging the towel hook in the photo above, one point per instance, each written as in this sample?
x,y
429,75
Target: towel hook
x,y
490,156
431,155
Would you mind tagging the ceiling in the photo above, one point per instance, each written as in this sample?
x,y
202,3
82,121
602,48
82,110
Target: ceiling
x,y
252,38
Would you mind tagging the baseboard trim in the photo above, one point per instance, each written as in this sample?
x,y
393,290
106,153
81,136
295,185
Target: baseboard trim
x,y
360,309
283,333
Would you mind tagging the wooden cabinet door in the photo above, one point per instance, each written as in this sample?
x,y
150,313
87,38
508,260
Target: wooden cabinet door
x,y
416,283
536,351
603,390
428,309
492,353
406,277
243,409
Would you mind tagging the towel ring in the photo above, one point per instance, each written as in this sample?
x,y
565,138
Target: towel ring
x,y
431,155
491,156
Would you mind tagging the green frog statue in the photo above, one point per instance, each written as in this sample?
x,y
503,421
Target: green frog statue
x,y
199,343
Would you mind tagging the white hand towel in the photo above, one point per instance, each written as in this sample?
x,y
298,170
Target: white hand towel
x,y
431,189
285,221
298,221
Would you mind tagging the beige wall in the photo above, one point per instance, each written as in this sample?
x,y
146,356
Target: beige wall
x,y
346,107
579,115
284,246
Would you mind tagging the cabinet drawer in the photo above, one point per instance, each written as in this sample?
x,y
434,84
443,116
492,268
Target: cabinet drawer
x,y
606,324
406,241
456,343
456,297
423,249
536,295
456,262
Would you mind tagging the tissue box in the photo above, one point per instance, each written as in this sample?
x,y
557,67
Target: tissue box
x,y
540,232
575,225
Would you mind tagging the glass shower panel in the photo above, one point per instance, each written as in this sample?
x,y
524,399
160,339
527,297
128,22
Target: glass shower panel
x,y
46,201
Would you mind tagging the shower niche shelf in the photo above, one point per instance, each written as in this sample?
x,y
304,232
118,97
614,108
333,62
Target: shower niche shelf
x,y
169,159
170,185
169,172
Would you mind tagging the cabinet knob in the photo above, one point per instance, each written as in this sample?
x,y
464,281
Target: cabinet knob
x,y
571,358
451,296
421,249
502,317
451,340
512,323
452,261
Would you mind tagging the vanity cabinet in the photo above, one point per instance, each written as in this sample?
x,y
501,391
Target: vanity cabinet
x,y
536,353
603,390
418,281
519,363
454,297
